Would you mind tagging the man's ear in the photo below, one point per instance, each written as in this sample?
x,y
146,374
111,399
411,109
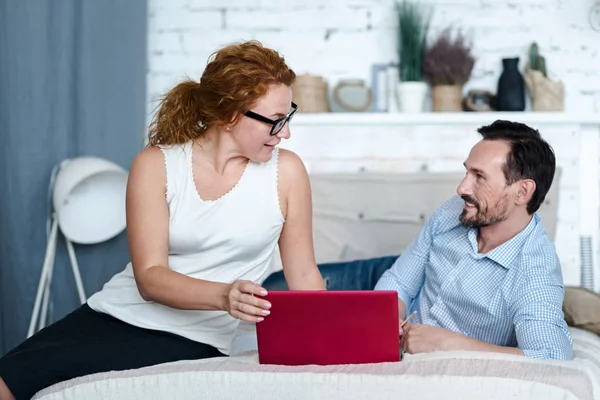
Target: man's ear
x,y
526,190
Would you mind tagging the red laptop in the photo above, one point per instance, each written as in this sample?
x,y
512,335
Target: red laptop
x,y
329,327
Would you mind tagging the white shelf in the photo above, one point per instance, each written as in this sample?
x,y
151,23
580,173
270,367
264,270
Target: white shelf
x,y
439,118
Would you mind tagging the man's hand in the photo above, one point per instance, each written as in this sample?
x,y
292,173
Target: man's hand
x,y
418,338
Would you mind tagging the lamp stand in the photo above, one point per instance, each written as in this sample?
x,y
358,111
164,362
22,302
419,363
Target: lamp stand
x,y
44,286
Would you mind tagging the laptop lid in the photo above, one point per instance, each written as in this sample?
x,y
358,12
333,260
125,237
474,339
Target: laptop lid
x,y
329,327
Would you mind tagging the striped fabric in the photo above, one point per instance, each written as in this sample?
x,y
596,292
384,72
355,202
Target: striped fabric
x,y
511,296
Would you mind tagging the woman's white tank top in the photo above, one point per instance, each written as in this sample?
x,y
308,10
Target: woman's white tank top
x,y
233,237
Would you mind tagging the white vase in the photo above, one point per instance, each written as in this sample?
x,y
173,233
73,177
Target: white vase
x,y
411,96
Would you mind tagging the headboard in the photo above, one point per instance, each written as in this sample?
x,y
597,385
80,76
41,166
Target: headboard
x,y
368,214
373,214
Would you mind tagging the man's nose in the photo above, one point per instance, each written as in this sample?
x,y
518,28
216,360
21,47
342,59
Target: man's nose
x,y
464,187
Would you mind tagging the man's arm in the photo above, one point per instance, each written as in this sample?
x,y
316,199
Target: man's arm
x,y
407,274
538,318
467,343
428,338
539,324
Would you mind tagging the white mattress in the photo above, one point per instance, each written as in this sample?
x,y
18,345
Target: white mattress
x,y
435,376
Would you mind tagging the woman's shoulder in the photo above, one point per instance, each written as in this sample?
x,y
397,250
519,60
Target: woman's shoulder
x,y
292,174
149,162
159,156
148,155
290,164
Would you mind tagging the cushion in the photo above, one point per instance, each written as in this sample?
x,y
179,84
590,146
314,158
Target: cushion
x,y
582,308
349,275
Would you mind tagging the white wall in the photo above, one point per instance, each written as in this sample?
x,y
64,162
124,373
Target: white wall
x,y
435,146
342,38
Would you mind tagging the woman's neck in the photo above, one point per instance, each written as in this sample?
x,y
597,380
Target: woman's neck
x,y
217,149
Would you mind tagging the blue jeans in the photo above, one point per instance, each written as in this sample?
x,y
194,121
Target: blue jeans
x,y
347,275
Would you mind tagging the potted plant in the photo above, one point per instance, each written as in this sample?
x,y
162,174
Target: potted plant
x,y
447,65
546,95
413,25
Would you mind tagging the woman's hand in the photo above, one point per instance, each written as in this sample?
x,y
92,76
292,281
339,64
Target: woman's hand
x,y
241,303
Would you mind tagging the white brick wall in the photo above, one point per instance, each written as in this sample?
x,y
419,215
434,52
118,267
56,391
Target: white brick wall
x,y
342,38
407,148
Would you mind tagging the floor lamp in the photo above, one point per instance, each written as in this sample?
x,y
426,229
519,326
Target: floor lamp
x,y
87,205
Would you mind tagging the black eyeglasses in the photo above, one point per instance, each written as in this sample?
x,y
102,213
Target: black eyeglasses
x,y
278,124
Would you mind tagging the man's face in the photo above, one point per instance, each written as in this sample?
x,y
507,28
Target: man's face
x,y
488,200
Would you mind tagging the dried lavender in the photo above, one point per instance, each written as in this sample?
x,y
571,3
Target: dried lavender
x,y
448,61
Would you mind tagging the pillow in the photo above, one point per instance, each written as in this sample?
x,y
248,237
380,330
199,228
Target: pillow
x,y
582,308
343,275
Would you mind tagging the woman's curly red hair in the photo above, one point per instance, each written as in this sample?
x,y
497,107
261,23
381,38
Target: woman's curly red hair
x,y
236,77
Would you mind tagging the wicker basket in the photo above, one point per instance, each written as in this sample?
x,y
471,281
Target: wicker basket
x,y
310,93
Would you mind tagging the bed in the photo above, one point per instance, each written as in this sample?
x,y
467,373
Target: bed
x,y
433,376
361,231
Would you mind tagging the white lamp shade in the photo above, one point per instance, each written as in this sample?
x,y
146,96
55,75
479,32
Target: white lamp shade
x,y
89,199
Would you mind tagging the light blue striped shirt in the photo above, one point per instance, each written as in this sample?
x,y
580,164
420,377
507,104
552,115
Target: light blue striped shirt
x,y
510,296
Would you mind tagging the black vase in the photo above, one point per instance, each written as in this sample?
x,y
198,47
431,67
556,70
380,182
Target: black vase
x,y
511,87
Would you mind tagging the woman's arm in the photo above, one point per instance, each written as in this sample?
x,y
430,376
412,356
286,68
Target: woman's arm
x,y
148,235
296,241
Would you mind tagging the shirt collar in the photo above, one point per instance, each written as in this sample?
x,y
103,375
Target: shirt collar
x,y
506,253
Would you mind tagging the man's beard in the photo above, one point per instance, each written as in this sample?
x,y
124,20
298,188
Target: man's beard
x,y
484,216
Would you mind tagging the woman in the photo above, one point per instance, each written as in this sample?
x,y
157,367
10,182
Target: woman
x,y
208,201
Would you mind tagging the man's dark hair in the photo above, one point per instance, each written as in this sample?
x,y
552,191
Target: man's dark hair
x,y
530,157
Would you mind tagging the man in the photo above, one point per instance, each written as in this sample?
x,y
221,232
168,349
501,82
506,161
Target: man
x,y
483,275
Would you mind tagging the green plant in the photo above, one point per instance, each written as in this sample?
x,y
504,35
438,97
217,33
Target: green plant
x,y
536,61
413,25
448,61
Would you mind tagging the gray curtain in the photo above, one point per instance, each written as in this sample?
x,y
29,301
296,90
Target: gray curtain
x,y
72,83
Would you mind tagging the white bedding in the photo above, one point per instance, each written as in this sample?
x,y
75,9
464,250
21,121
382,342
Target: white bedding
x,y
461,375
